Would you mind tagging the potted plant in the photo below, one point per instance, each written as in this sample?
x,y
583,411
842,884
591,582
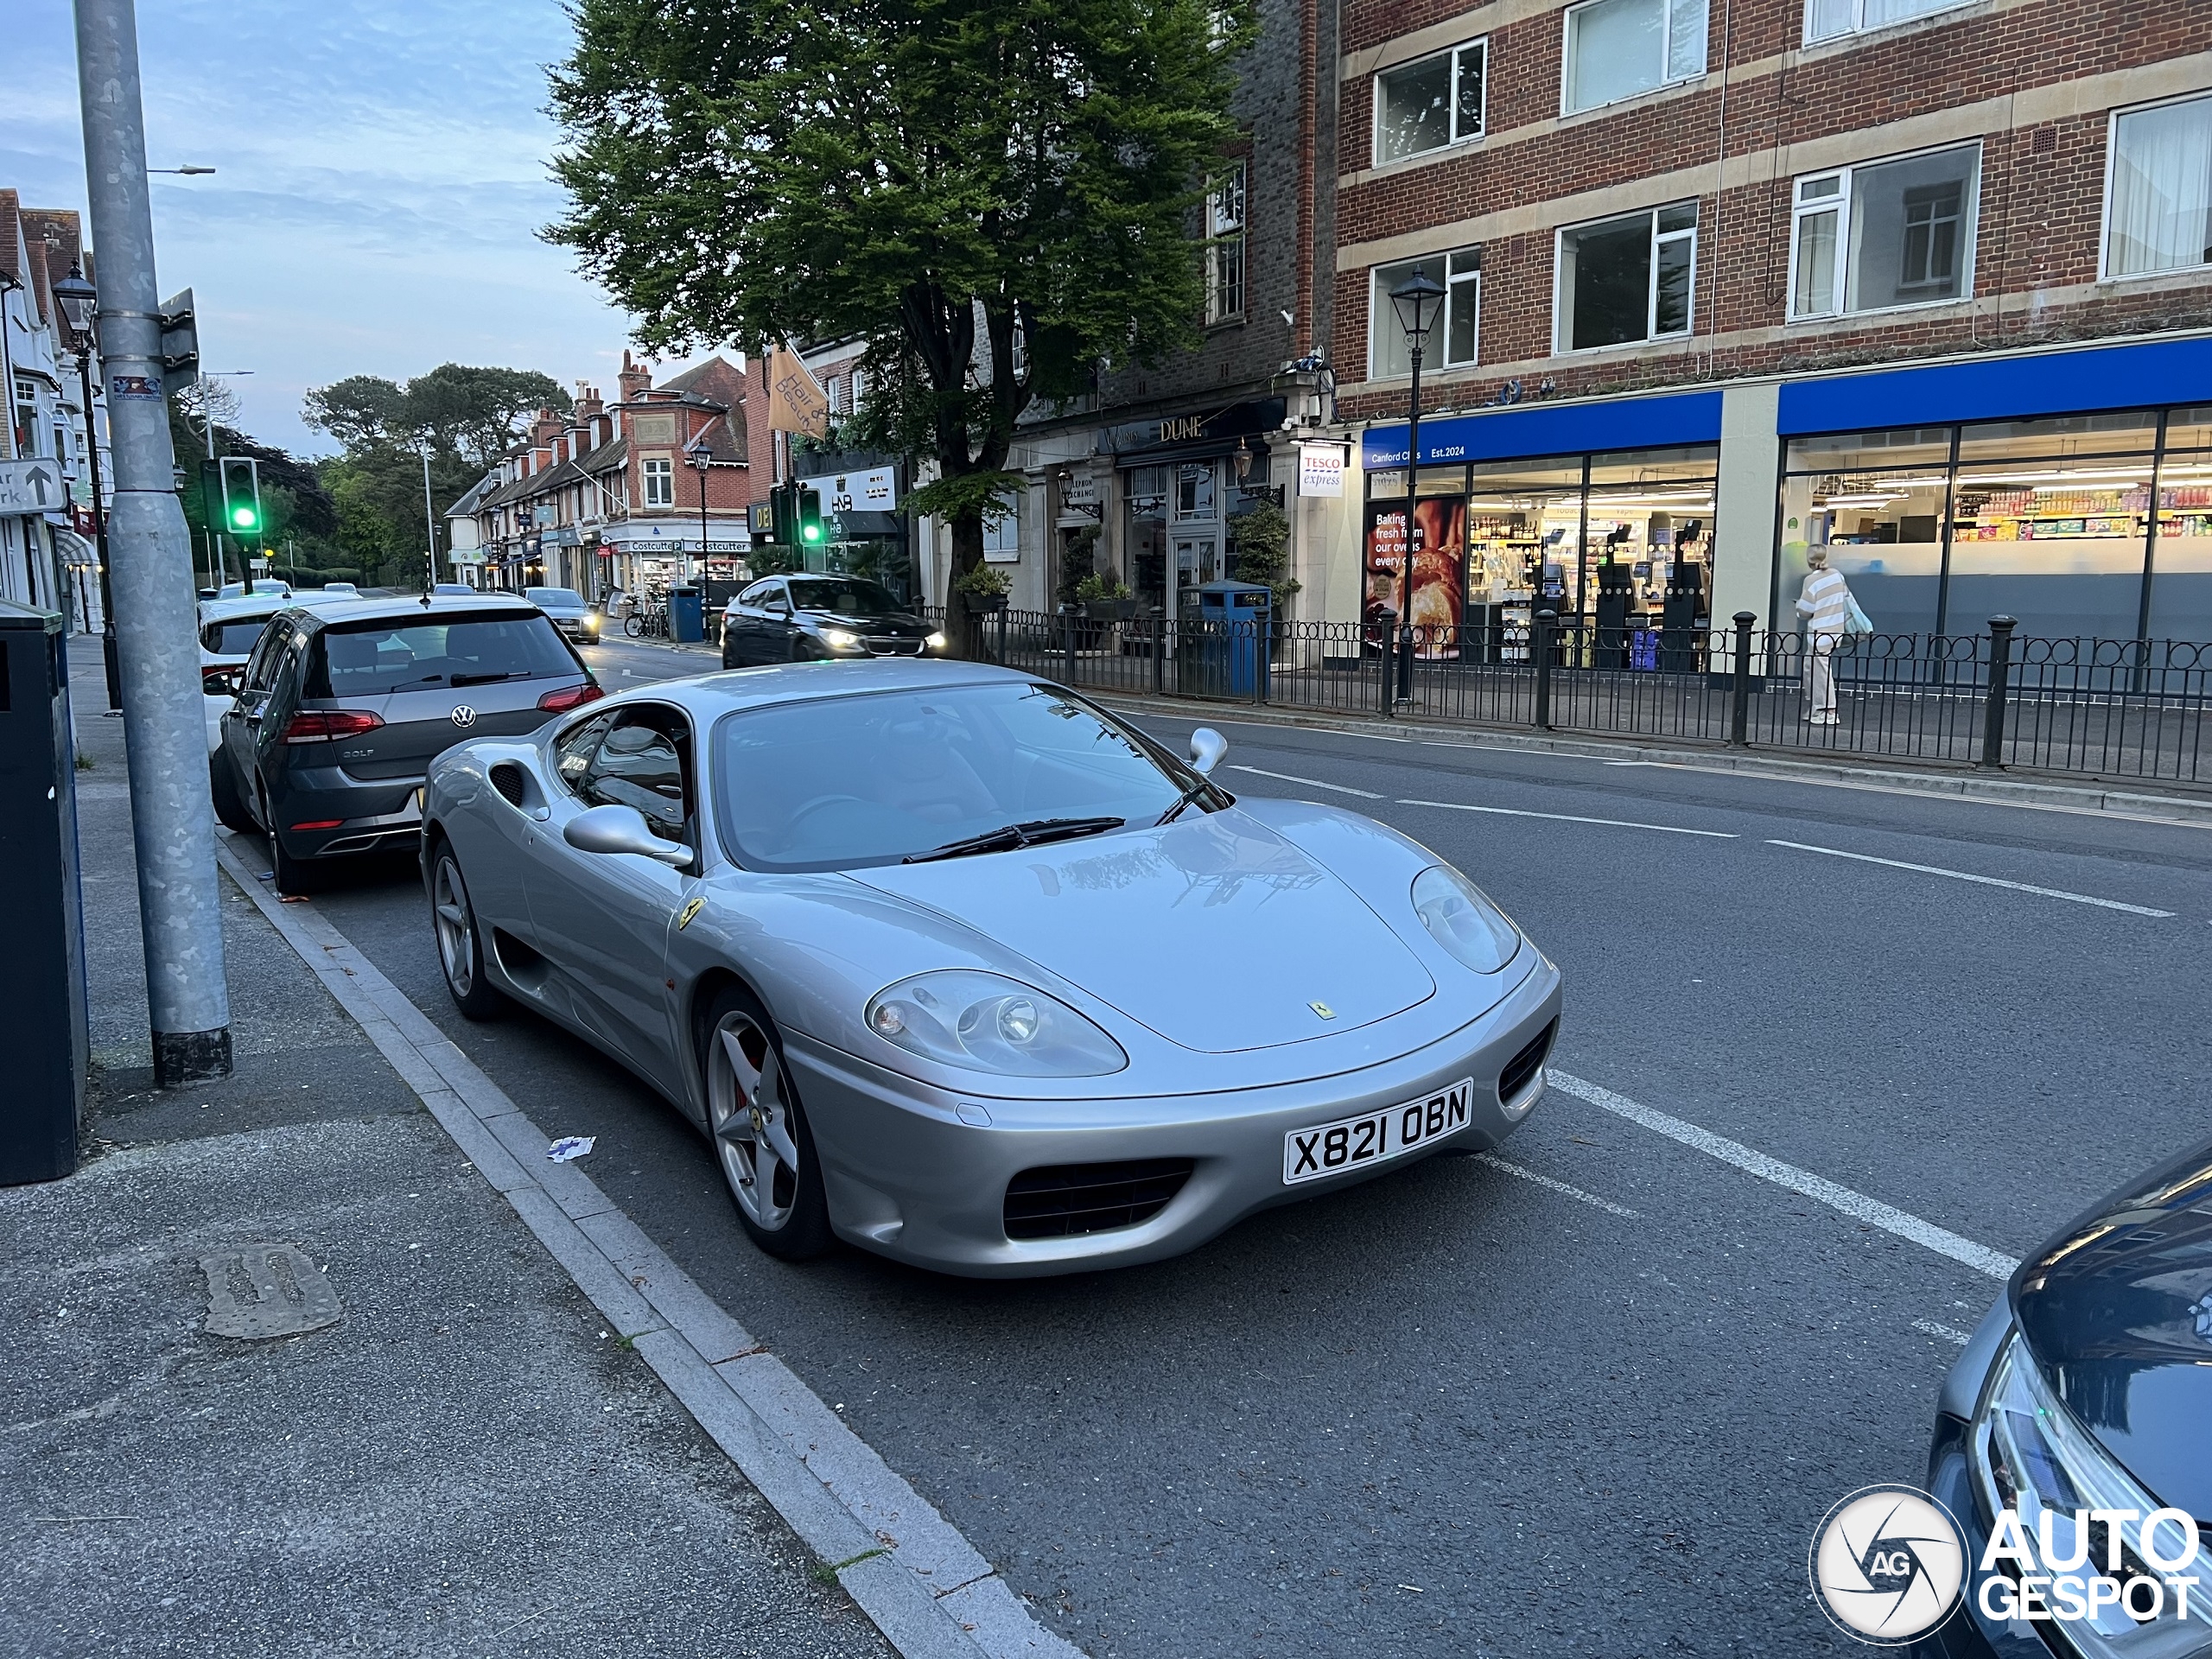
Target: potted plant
x,y
983,590
1104,599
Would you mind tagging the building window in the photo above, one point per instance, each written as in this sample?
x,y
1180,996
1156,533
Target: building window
x,y
660,483
1826,19
1871,239
1426,106
1616,49
1624,280
26,415
1455,340
1194,493
2160,214
1225,246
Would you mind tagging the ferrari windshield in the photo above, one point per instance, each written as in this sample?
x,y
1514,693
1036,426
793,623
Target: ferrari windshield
x,y
847,782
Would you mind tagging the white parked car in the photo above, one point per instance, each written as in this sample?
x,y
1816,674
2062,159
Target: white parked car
x,y
228,629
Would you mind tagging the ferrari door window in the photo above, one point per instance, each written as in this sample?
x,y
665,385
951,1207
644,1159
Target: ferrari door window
x,y
641,763
574,749
851,781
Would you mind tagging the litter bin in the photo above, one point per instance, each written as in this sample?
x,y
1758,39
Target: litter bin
x,y
1235,619
43,1029
686,615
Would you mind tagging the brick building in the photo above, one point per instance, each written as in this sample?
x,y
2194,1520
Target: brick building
x,y
609,494
47,557
1929,283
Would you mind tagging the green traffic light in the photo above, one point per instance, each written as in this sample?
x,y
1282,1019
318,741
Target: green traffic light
x,y
812,533
241,516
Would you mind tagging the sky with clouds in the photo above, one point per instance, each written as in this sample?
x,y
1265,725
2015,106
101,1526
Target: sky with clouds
x,y
381,179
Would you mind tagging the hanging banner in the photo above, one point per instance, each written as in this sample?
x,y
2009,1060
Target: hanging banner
x,y
796,403
1321,470
1439,556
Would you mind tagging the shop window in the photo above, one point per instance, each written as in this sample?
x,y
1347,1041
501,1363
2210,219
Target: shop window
x,y
1629,279
660,482
1874,238
2159,217
1194,492
1426,106
1454,342
1225,246
1616,49
1828,20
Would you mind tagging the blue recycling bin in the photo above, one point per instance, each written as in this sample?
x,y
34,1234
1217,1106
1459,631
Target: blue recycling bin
x,y
687,615
1237,618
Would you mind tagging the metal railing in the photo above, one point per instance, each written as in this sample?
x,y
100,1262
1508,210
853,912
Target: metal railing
x,y
2132,708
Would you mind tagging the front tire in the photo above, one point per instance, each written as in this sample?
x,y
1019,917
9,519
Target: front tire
x,y
460,941
760,1133
230,805
634,626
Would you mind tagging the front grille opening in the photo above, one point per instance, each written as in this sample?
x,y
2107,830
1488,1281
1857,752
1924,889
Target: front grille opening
x,y
507,778
1069,1200
1522,1069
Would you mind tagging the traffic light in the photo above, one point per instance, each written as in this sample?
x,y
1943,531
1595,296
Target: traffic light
x,y
809,516
241,496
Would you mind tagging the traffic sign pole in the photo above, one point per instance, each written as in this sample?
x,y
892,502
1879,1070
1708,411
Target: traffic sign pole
x,y
150,550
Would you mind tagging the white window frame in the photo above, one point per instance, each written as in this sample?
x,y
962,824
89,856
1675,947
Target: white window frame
x,y
658,469
1840,205
1381,312
1226,233
1666,54
1480,43
1651,336
1860,26
2105,272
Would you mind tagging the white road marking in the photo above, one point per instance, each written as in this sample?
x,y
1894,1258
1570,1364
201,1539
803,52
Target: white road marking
x,y
1606,1204
1310,782
1982,881
1570,817
1857,1206
1505,748
1949,1333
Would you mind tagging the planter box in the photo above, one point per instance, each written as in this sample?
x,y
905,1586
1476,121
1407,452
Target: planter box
x,y
982,604
1110,610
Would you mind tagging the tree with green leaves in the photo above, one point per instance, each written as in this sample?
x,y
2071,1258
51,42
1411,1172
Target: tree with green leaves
x,y
997,195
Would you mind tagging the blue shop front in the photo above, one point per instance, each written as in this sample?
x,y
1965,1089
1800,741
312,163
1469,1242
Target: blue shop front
x,y
2071,489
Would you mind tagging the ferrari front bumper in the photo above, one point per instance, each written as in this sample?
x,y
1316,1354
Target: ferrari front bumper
x,y
922,1174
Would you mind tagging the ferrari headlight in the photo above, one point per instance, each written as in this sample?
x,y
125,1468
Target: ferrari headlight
x,y
1462,919
2081,1515
986,1022
840,638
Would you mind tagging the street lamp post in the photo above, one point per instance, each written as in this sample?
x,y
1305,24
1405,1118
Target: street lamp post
x,y
79,301
430,525
1418,303
700,456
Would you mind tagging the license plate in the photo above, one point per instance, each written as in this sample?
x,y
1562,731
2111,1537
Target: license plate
x,y
1373,1137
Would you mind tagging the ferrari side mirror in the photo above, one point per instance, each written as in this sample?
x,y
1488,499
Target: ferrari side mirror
x,y
1207,746
618,828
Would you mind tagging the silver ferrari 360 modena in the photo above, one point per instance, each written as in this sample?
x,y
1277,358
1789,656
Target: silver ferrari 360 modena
x,y
954,964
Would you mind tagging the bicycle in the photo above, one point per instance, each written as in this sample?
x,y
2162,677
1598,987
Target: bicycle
x,y
646,622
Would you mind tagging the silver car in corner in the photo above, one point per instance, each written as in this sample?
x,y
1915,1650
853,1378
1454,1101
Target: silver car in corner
x,y
953,964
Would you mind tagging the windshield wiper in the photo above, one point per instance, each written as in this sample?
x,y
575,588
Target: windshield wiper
x,y
1198,786
1006,838
481,679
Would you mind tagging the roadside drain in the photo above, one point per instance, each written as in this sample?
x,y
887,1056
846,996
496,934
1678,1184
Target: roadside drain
x,y
266,1290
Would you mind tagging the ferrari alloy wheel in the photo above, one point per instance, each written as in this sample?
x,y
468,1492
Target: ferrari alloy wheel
x,y
461,948
760,1134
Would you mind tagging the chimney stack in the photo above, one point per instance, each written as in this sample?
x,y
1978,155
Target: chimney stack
x,y
635,379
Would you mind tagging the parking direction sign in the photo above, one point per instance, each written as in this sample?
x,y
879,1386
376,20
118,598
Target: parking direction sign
x,y
33,485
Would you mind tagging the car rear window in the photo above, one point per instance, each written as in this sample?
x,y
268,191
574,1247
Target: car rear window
x,y
234,637
366,659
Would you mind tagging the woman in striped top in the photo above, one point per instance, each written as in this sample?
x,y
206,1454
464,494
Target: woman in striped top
x,y
1826,605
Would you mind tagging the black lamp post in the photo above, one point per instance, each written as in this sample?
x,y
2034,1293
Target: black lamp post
x,y
79,301
700,456
1419,303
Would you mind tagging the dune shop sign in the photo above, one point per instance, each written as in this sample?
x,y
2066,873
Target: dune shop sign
x,y
1200,432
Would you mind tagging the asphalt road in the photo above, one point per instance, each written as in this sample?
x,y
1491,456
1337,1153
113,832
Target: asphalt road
x,y
1590,1399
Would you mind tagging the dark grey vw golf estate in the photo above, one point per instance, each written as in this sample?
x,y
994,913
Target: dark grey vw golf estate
x,y
341,709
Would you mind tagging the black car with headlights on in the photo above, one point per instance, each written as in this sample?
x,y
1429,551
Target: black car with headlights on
x,y
2087,1392
798,619
342,709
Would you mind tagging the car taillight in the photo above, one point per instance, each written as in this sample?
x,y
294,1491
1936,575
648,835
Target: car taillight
x,y
570,697
319,725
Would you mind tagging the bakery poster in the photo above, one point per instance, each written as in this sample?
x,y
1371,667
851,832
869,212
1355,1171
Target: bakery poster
x,y
1439,543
